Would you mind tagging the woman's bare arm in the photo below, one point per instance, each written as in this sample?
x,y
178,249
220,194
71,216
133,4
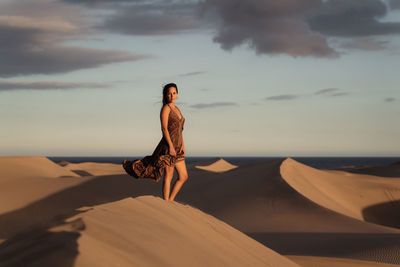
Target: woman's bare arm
x,y
164,124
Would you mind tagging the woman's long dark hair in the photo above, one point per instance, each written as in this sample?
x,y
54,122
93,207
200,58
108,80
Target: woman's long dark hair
x,y
165,92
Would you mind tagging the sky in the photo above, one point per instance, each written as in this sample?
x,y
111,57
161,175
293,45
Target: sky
x,y
255,77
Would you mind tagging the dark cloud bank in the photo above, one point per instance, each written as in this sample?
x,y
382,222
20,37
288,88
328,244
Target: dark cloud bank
x,y
33,37
352,18
299,28
34,33
153,19
293,27
56,59
268,26
394,4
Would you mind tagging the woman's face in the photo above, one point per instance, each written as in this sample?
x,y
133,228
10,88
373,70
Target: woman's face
x,y
172,95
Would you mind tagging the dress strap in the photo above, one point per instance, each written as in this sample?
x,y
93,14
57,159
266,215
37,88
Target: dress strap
x,y
180,116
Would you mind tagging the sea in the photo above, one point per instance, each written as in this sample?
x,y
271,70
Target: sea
x,y
315,162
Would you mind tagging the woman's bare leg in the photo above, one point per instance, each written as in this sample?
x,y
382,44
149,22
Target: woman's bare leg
x,y
182,177
169,173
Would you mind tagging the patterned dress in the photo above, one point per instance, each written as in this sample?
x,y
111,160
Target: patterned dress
x,y
153,166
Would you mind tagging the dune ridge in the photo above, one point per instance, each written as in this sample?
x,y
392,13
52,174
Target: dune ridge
x,y
219,165
154,232
142,231
346,193
31,166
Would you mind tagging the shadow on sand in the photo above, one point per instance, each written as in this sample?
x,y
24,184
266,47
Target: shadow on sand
x,y
96,190
361,246
38,247
387,214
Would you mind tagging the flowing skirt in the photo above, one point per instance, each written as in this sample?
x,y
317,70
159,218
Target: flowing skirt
x,y
153,166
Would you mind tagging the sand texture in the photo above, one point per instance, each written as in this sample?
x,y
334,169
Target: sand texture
x,y
272,213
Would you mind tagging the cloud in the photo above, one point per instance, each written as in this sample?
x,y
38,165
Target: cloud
x,y
98,2
213,105
46,24
47,85
300,28
33,40
153,18
390,99
292,27
57,59
192,73
325,91
141,17
268,26
345,18
367,44
331,92
340,94
281,97
394,4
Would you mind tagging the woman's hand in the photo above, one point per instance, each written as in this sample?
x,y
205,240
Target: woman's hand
x,y
182,150
172,151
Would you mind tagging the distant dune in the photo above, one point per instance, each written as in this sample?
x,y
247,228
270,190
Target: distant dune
x,y
315,217
350,194
31,166
220,165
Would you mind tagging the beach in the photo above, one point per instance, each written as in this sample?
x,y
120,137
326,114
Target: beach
x,y
271,213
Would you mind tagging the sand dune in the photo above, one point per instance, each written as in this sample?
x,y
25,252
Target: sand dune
x,y
258,201
346,193
285,205
24,180
148,231
31,166
143,231
250,189
220,165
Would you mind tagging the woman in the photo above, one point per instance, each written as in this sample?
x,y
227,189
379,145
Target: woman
x,y
170,151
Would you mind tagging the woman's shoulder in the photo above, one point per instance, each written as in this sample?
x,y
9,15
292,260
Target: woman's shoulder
x,y
165,109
